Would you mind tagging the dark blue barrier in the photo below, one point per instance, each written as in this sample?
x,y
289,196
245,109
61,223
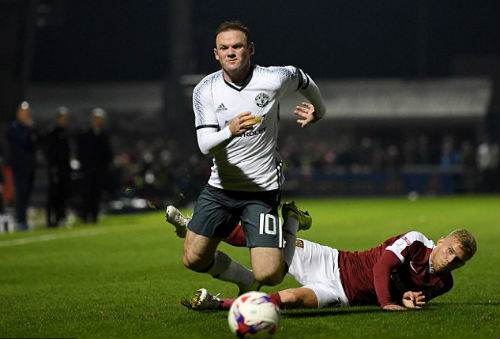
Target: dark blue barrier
x,y
424,181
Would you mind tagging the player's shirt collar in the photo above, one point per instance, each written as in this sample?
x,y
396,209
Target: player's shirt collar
x,y
431,269
239,88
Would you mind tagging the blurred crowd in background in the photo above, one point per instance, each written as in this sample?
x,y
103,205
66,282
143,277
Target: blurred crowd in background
x,y
75,166
87,171
418,114
372,154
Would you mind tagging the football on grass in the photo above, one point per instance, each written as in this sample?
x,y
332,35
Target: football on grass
x,y
253,315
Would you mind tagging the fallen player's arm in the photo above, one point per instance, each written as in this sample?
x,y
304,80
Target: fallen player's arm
x,y
393,307
382,280
414,300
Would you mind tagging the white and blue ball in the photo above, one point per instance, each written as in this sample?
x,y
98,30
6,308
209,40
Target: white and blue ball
x,y
253,315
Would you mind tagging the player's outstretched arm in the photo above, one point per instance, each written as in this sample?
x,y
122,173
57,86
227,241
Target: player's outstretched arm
x,y
410,300
306,114
315,110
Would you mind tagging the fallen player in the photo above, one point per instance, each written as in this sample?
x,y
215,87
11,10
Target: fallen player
x,y
404,272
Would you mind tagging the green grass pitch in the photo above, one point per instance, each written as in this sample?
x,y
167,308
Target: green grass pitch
x,y
124,277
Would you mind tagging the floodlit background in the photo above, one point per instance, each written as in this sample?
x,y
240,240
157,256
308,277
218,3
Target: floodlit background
x,y
410,141
411,89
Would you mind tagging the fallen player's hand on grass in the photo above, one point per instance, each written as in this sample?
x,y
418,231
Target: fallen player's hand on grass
x,y
413,299
394,307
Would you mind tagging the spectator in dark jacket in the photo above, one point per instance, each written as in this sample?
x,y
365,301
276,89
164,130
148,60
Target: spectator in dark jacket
x,y
22,138
94,154
57,153
2,185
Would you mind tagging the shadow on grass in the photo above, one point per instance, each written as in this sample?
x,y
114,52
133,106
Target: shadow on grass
x,y
301,313
328,313
489,303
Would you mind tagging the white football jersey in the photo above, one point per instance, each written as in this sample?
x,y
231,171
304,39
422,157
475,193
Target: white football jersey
x,y
249,162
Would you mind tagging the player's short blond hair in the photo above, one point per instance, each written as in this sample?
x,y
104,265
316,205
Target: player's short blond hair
x,y
467,241
233,25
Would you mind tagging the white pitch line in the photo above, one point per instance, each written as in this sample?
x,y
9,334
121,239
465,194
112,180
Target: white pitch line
x,y
49,237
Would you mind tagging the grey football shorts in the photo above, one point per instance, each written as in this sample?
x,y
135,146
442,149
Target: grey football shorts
x,y
218,211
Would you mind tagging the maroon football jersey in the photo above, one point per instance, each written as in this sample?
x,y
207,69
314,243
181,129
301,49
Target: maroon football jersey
x,y
382,274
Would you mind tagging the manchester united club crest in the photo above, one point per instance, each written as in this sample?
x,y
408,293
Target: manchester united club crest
x,y
261,99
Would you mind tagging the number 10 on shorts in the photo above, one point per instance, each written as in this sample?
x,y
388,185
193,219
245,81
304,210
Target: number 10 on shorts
x,y
270,226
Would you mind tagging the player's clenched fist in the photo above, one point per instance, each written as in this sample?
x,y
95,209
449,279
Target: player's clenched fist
x,y
242,123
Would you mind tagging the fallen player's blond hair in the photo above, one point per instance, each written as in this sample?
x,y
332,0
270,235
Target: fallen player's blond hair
x,y
467,241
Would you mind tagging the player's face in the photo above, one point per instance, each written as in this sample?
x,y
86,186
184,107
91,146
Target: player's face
x,y
447,255
24,116
63,120
233,51
97,122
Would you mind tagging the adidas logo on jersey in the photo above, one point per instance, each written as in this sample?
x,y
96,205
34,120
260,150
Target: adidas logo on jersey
x,y
221,108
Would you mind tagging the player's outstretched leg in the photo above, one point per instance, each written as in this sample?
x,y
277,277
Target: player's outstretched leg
x,y
203,300
178,220
201,255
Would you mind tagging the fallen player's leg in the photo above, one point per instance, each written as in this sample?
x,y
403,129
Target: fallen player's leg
x,y
203,300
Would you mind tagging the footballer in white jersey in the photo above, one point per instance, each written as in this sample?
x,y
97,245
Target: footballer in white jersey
x,y
236,117
249,162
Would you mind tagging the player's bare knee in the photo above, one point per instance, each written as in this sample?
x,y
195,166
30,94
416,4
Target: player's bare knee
x,y
187,261
268,278
198,252
268,265
194,262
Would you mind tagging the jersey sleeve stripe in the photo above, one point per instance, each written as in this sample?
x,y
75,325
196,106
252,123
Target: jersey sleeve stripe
x,y
306,82
207,126
406,241
279,171
396,252
303,79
